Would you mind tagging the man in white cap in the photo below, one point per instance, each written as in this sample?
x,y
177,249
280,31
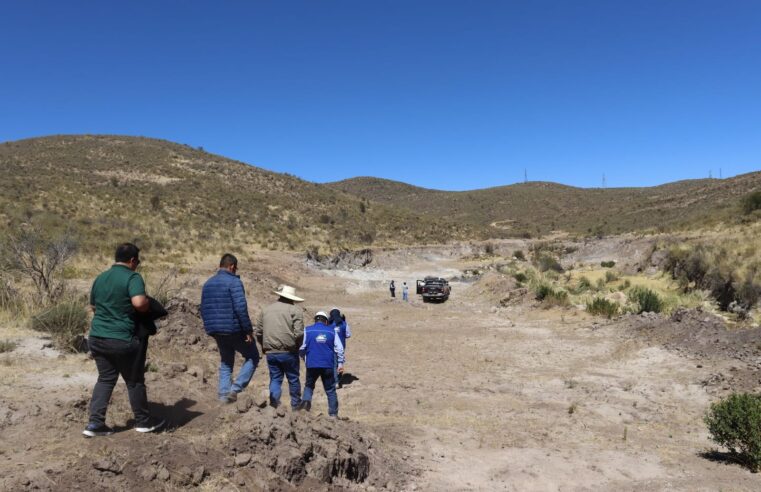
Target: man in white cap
x,y
280,331
320,349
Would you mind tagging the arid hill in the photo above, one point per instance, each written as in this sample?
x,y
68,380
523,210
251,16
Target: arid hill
x,y
175,197
538,207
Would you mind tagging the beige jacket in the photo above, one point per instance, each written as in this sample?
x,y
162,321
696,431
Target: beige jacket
x,y
280,328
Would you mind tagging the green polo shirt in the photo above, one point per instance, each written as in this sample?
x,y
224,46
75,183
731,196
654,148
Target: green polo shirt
x,y
112,294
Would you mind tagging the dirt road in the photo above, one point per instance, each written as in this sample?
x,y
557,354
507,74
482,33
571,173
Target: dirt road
x,y
464,395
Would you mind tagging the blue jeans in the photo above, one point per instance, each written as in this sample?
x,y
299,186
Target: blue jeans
x,y
328,383
405,296
284,364
228,345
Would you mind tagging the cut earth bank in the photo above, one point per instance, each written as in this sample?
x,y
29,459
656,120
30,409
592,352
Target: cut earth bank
x,y
470,394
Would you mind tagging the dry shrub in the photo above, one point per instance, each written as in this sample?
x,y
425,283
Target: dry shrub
x,y
65,322
599,306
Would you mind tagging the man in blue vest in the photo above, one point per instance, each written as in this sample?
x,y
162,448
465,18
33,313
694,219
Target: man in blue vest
x,y
320,347
224,311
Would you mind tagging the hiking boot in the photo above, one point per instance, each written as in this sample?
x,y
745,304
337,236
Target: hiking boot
x,y
152,425
306,405
231,397
274,403
97,430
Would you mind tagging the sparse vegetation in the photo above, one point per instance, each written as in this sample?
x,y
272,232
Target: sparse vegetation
x,y
735,423
65,322
607,264
518,255
550,296
40,258
645,300
7,346
547,262
751,202
599,306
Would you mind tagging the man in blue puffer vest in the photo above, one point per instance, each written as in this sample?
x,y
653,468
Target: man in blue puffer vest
x,y
224,311
320,347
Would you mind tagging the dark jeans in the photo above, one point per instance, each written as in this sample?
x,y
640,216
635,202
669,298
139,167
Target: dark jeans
x,y
112,358
284,364
328,383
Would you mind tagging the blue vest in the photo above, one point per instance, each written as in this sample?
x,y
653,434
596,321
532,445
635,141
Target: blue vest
x,y
319,343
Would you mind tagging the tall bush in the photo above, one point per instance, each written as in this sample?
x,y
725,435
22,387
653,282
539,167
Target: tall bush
x,y
599,306
751,202
645,300
735,423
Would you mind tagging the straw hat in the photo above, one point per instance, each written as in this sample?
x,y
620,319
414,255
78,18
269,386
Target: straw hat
x,y
289,293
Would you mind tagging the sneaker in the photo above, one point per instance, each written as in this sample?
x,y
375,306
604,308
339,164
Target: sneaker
x,y
306,405
152,425
97,430
231,397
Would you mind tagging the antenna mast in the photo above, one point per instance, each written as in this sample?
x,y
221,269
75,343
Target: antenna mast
x,y
604,181
525,175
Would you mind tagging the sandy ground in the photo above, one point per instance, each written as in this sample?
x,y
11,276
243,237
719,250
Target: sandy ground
x,y
465,394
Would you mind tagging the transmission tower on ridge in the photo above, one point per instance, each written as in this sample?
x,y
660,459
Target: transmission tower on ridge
x,y
604,181
525,175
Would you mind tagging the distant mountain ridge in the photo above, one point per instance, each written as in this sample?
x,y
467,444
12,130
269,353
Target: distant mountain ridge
x,y
539,207
170,196
174,197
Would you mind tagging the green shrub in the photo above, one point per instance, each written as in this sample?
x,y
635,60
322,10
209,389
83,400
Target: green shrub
x,y
65,322
751,202
520,277
599,306
646,300
518,255
584,284
550,296
627,283
607,264
610,276
735,423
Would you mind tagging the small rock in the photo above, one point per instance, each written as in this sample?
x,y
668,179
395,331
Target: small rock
x,y
242,459
243,404
163,474
262,399
280,411
107,465
148,473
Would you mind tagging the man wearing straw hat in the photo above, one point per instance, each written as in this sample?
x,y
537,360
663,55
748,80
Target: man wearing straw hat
x,y
280,331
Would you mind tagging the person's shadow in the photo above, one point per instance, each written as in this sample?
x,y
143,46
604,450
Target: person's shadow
x,y
176,415
347,378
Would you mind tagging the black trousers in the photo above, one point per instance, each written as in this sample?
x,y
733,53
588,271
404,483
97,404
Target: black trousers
x,y
113,358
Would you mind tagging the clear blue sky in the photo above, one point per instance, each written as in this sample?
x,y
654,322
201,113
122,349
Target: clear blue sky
x,y
442,94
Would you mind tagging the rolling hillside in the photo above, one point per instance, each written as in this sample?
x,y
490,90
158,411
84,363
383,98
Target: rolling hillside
x,y
172,197
539,207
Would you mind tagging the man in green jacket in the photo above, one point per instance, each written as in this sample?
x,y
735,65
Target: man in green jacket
x,y
116,298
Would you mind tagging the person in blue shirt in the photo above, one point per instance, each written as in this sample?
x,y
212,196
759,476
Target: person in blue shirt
x,y
320,348
338,321
224,311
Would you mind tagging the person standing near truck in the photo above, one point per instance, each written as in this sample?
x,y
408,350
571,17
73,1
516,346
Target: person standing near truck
x,y
405,292
392,288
